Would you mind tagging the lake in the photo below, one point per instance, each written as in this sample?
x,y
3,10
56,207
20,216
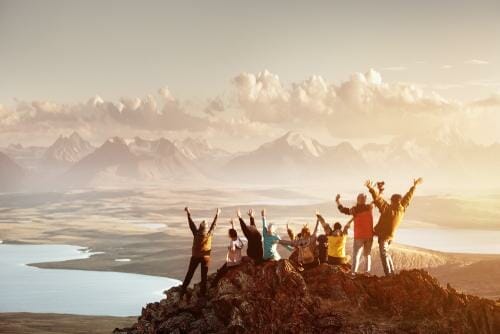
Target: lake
x,y
29,289
451,240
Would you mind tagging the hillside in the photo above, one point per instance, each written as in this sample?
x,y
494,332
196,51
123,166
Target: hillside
x,y
11,174
276,298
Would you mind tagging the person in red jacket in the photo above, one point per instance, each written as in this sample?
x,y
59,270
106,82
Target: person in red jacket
x,y
363,230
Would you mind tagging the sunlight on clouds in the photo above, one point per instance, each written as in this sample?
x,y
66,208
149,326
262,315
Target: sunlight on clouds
x,y
260,105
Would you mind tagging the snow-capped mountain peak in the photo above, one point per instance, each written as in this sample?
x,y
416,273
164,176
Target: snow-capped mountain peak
x,y
198,148
303,143
68,149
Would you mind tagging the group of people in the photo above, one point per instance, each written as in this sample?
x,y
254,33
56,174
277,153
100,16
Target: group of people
x,y
308,249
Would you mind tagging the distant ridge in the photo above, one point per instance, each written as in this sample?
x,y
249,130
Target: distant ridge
x,y
11,174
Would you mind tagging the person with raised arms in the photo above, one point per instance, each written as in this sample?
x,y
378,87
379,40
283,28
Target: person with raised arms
x,y
337,238
391,216
233,256
271,240
362,214
200,253
254,250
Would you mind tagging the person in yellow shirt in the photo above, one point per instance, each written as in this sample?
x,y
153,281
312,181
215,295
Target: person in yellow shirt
x,y
337,238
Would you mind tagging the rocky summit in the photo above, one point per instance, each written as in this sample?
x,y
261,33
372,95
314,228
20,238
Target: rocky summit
x,y
274,297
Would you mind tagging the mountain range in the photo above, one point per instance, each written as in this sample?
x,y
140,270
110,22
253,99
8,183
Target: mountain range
x,y
445,157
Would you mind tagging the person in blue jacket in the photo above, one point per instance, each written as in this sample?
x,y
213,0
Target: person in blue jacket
x,y
271,240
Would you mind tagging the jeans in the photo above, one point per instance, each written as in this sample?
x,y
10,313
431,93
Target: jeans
x,y
204,261
362,246
387,263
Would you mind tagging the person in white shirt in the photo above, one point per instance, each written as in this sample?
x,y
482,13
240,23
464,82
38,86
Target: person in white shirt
x,y
233,256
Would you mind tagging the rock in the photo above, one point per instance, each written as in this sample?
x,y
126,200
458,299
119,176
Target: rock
x,y
274,297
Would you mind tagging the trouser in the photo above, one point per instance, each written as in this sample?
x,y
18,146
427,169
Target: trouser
x,y
362,247
204,261
221,272
385,256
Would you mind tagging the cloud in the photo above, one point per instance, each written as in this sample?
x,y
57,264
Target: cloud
x,y
262,95
446,67
214,106
492,101
99,116
476,62
259,107
362,106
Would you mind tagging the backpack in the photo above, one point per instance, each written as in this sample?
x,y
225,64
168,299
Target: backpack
x,y
306,254
323,248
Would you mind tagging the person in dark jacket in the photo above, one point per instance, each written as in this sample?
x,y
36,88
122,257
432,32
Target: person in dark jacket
x,y
200,255
254,249
391,215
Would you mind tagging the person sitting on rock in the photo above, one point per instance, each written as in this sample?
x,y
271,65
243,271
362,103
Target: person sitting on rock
x,y
391,216
271,240
202,247
305,246
363,230
254,250
233,256
337,238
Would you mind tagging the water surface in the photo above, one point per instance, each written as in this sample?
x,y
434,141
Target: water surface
x,y
451,240
29,289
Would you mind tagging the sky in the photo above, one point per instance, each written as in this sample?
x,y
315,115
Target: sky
x,y
240,73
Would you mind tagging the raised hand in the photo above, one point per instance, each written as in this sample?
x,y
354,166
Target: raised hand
x,y
380,186
337,198
369,184
317,213
238,213
263,212
250,212
232,223
219,211
187,210
418,181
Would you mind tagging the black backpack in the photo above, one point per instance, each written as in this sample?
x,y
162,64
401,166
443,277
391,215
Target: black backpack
x,y
323,248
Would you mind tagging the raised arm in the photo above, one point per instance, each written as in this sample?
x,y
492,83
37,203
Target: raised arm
x,y
327,228
192,226
347,226
288,244
316,227
342,208
243,225
264,223
409,195
252,219
214,222
379,202
290,233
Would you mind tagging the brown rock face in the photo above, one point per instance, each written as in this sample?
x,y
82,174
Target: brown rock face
x,y
276,298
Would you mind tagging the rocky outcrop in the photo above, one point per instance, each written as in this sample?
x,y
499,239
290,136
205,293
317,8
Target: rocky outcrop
x,y
276,298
